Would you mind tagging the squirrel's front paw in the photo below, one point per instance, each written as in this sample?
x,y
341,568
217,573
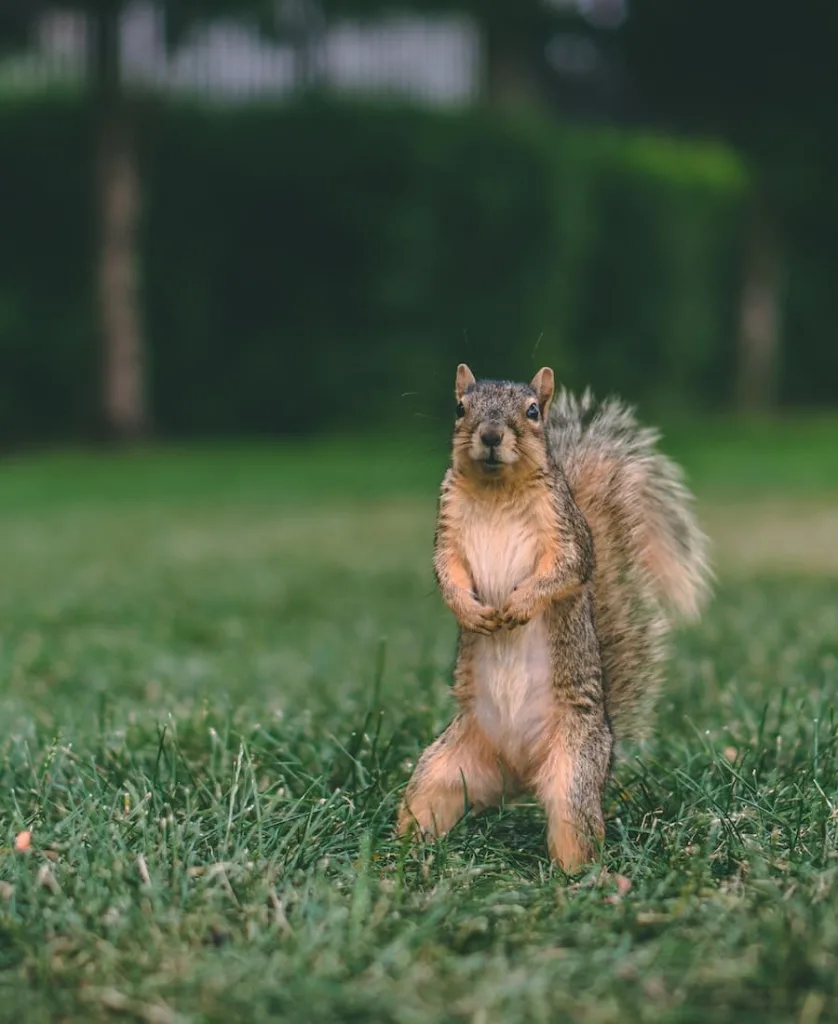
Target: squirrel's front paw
x,y
480,618
519,608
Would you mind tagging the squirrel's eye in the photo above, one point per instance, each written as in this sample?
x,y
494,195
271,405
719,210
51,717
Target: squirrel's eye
x,y
461,410
532,411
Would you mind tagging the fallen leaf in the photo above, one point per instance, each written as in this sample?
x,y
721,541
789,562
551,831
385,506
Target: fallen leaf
x,y
651,917
623,884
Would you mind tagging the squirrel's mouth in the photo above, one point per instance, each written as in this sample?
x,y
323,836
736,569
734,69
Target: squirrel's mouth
x,y
490,459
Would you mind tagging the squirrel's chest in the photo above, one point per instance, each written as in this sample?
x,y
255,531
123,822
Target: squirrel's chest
x,y
500,549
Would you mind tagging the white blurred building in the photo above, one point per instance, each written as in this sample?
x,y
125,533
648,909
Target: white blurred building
x,y
436,59
433,59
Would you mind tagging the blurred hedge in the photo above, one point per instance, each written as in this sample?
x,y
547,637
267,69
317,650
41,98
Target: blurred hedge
x,y
327,265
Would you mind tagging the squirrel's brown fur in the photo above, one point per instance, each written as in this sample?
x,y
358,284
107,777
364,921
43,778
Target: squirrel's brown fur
x,y
565,546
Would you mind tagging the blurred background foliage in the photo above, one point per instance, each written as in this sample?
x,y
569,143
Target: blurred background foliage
x,y
640,194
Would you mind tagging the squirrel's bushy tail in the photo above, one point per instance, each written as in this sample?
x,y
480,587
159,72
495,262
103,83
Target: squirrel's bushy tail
x,y
651,555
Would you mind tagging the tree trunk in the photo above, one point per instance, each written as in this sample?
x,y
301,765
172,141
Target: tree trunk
x,y
760,313
306,24
118,201
507,79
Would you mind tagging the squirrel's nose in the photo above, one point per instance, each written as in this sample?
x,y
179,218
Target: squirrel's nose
x,y
491,437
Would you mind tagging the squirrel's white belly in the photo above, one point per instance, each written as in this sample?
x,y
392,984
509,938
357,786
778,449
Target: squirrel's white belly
x,y
512,668
513,688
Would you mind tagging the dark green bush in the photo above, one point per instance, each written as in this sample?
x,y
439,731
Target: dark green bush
x,y
307,266
48,363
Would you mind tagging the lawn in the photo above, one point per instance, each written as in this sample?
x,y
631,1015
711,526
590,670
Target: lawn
x,y
217,665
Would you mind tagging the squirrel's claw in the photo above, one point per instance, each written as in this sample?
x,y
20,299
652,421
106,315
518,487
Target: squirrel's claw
x,y
518,610
481,619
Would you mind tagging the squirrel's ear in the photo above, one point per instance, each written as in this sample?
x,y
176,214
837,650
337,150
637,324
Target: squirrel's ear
x,y
543,384
465,379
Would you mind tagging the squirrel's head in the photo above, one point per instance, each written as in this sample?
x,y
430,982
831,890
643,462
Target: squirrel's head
x,y
499,428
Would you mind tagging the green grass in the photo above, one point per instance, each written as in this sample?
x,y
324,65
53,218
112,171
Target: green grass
x,y
216,667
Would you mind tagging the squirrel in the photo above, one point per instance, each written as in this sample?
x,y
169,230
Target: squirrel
x,y
567,547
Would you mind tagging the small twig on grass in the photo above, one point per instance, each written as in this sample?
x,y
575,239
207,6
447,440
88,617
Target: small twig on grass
x,y
280,920
142,867
48,880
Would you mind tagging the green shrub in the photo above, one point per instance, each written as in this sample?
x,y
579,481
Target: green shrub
x,y
48,365
307,266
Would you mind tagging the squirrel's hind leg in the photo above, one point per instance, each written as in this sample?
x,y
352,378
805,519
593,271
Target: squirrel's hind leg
x,y
570,785
459,771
